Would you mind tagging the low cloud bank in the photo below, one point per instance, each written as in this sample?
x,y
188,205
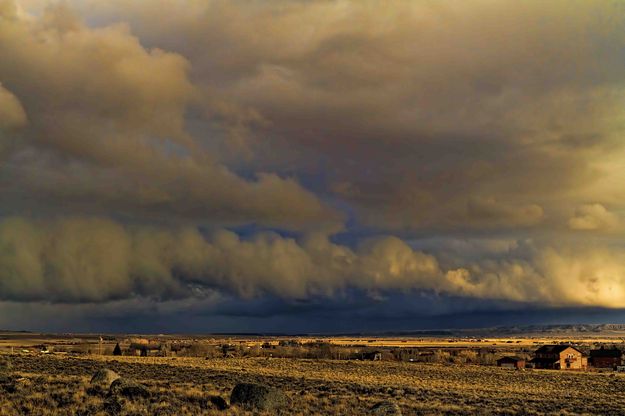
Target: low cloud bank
x,y
77,260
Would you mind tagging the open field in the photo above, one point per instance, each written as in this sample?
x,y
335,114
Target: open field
x,y
25,340
195,375
466,342
58,384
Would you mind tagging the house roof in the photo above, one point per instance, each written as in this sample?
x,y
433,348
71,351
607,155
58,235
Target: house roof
x,y
554,349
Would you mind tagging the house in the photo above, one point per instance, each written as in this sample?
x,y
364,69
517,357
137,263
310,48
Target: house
x,y
559,357
606,358
511,362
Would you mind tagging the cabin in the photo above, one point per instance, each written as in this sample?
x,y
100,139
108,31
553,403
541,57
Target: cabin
x,y
559,357
606,358
511,362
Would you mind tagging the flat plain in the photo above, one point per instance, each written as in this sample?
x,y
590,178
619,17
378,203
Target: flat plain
x,y
59,385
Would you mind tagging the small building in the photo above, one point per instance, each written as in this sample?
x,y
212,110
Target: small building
x,y
606,358
559,357
511,362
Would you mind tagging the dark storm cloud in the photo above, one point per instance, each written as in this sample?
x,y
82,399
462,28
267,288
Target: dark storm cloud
x,y
228,315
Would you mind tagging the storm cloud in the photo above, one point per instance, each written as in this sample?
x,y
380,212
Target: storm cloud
x,y
448,115
187,151
98,260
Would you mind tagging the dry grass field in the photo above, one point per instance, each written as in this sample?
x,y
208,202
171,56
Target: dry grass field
x,y
464,343
59,385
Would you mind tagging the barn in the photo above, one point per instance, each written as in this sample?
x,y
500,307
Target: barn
x,y
606,358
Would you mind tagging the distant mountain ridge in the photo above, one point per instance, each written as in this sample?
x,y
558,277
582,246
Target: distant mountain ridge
x,y
568,328
514,330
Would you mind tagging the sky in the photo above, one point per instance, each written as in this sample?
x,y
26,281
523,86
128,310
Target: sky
x,y
310,166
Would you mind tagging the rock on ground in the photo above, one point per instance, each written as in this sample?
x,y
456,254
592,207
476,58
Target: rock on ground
x,y
218,402
258,397
104,378
386,408
129,389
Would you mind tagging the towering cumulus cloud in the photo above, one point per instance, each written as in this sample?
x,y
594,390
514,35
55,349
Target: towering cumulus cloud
x,y
185,151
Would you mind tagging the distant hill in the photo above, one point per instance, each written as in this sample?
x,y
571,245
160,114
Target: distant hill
x,y
516,330
569,329
594,328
